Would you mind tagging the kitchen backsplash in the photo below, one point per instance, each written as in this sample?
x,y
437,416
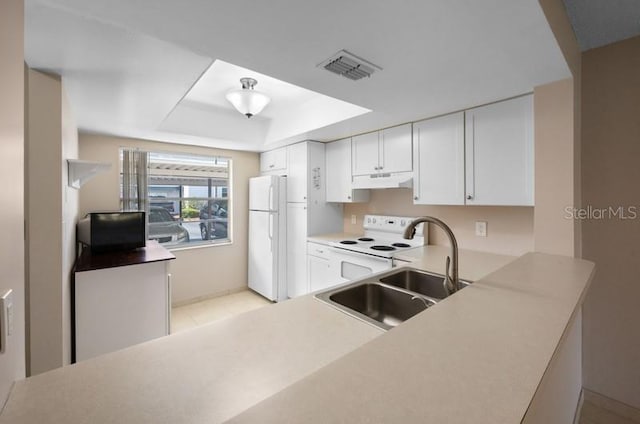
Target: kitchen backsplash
x,y
509,228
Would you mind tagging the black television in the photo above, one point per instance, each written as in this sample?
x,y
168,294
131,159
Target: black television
x,y
112,231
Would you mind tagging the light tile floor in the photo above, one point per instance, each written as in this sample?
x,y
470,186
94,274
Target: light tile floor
x,y
210,310
595,414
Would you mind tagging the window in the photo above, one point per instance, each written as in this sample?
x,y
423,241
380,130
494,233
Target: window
x,y
186,196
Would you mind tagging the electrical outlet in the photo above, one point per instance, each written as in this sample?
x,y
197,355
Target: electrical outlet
x,y
354,219
481,228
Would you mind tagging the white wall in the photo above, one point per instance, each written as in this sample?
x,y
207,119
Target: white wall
x,y
197,272
51,216
12,362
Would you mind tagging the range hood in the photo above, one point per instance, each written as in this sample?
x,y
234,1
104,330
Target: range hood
x,y
383,180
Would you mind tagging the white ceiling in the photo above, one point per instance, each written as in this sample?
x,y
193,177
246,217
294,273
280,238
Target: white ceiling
x,y
205,111
600,22
127,64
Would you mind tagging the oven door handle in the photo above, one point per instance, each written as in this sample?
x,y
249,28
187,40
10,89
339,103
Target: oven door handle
x,y
360,255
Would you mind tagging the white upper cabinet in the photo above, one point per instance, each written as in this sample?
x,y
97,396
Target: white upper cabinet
x,y
386,151
395,149
339,176
305,173
274,161
438,160
499,153
365,150
297,177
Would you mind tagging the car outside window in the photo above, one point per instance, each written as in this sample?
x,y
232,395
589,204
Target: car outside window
x,y
187,196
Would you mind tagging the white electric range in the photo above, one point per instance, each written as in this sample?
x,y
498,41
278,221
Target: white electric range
x,y
375,250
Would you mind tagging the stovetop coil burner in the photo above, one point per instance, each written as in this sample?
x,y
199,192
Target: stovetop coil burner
x,y
385,248
348,242
365,239
401,245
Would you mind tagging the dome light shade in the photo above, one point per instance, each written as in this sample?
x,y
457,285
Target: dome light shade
x,y
246,100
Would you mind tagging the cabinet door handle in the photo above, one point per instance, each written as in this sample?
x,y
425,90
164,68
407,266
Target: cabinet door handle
x,y
349,197
415,198
469,197
271,166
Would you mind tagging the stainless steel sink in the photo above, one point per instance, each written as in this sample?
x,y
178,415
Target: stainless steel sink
x,y
422,282
388,299
385,305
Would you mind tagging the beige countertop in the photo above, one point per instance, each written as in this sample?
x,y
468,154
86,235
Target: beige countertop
x,y
205,375
476,357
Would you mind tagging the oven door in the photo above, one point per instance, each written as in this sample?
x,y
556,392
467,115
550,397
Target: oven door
x,y
345,265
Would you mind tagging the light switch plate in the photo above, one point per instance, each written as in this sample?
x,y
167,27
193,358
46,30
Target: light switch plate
x,y
481,228
6,318
354,219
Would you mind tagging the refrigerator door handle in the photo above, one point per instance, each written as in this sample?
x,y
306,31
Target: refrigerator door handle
x,y
271,205
270,231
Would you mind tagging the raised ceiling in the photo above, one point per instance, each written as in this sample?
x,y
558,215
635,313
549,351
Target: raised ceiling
x,y
293,110
600,22
127,64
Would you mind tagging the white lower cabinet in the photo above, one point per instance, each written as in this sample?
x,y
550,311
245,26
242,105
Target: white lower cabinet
x,y
319,275
297,283
119,307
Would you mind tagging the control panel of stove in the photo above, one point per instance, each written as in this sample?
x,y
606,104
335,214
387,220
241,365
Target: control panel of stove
x,y
390,224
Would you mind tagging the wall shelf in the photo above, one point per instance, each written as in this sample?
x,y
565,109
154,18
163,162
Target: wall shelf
x,y
80,171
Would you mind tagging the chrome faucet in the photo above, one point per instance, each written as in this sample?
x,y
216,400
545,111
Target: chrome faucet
x,y
451,282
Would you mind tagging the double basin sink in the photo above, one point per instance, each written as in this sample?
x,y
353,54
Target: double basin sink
x,y
388,299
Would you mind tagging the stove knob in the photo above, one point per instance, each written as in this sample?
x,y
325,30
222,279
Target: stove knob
x,y
403,223
374,220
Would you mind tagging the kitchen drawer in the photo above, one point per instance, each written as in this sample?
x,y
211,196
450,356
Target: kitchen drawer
x,y
317,249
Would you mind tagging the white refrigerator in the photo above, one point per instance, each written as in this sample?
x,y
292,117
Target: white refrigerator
x,y
268,236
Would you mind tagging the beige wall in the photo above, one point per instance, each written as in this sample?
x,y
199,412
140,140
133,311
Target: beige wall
x,y
556,15
509,229
610,177
197,272
52,139
554,170
12,75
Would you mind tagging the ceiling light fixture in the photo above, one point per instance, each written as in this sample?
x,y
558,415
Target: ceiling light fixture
x,y
246,100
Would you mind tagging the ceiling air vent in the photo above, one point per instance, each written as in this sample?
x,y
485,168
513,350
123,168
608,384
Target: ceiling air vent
x,y
349,65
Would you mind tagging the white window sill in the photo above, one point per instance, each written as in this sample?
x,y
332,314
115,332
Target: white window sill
x,y
198,246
